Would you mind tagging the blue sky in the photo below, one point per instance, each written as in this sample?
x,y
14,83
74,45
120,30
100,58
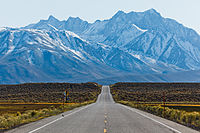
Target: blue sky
x,y
15,13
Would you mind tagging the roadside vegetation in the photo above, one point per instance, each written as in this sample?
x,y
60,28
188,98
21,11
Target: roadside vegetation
x,y
9,120
24,103
179,102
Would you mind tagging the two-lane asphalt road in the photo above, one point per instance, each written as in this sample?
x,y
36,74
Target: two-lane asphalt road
x,y
104,116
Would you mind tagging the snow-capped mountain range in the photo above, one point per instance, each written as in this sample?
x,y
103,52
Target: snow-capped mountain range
x,y
138,44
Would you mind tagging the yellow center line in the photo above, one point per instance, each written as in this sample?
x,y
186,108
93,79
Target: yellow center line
x,y
105,121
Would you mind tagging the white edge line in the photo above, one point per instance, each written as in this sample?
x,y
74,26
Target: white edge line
x,y
151,119
59,119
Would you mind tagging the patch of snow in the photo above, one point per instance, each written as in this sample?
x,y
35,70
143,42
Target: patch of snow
x,y
104,46
11,48
10,40
11,37
72,34
42,41
2,29
139,28
155,70
30,30
78,58
75,35
136,56
53,27
39,40
51,51
30,61
31,43
151,60
77,53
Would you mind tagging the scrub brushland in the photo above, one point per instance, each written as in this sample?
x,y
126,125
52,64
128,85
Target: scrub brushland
x,y
179,102
24,103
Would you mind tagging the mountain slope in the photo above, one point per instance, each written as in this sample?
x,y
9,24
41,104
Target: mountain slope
x,y
167,48
141,44
35,55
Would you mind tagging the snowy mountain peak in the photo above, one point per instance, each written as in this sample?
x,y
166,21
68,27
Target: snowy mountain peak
x,y
119,13
76,51
152,11
74,19
52,18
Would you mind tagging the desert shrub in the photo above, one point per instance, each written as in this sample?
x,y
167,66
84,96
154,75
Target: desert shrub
x,y
18,114
153,92
191,119
49,92
33,113
159,111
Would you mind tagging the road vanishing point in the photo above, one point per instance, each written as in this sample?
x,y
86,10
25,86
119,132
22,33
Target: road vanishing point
x,y
104,116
